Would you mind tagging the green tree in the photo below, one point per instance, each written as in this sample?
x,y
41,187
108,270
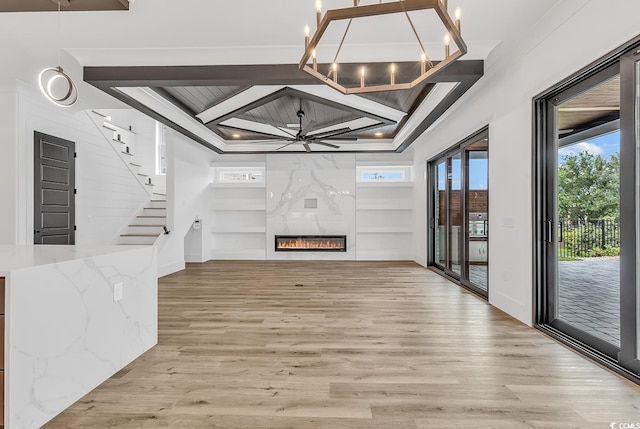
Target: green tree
x,y
589,187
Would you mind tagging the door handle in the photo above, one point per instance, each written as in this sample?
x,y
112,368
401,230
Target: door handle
x,y
549,231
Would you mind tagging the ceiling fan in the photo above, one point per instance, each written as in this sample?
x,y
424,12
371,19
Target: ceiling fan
x,y
305,137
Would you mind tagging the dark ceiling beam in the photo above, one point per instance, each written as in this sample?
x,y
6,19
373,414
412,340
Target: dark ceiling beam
x,y
464,85
52,6
154,115
242,75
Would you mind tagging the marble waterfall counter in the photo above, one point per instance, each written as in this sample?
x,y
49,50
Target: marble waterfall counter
x,y
66,330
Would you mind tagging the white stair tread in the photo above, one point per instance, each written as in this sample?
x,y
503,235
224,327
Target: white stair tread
x,y
139,235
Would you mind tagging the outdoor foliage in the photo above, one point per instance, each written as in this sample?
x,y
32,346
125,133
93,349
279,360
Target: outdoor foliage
x,y
588,187
598,237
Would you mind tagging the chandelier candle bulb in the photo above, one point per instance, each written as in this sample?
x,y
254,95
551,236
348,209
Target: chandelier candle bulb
x,y
315,60
458,15
335,72
318,12
306,36
393,74
362,77
447,46
423,63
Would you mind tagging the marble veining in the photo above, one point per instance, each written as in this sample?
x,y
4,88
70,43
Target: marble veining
x,y
65,333
330,178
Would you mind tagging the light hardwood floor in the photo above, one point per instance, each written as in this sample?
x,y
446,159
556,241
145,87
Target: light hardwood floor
x,y
344,345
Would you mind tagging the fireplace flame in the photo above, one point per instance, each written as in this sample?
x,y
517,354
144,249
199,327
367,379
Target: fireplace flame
x,y
301,243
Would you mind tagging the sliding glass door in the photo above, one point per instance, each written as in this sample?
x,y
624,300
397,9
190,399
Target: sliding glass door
x,y
587,205
459,212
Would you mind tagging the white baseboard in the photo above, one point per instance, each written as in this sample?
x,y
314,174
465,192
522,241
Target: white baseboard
x,y
170,269
420,259
195,258
383,255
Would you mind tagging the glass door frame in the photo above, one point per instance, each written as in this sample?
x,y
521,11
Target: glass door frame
x,y
625,359
432,189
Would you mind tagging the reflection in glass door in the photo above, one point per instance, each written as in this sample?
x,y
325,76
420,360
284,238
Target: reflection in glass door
x,y
455,213
587,207
459,213
440,214
477,212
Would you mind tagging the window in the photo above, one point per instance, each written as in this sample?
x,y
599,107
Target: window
x,y
161,149
384,174
240,175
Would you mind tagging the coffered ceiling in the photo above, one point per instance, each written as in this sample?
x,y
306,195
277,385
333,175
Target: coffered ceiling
x,y
271,108
220,72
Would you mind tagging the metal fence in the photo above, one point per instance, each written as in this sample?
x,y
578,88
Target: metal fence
x,y
583,239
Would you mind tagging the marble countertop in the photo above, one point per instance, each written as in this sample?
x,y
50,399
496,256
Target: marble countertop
x,y
20,257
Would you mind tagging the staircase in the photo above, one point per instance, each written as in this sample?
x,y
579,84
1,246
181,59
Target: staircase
x,y
150,222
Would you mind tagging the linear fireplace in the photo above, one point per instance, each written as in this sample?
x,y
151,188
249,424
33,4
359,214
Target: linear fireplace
x,y
311,243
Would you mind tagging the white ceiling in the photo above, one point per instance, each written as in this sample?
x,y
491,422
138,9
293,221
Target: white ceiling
x,y
157,32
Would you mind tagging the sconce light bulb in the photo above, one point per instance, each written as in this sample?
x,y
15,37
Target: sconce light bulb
x,y
458,13
306,30
447,39
318,5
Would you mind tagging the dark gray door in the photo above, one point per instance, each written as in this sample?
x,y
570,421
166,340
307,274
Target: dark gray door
x,y
54,183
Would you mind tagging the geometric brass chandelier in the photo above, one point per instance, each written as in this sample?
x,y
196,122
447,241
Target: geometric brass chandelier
x,y
330,76
54,83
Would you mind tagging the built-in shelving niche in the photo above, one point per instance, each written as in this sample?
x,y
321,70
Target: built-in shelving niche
x,y
384,212
238,211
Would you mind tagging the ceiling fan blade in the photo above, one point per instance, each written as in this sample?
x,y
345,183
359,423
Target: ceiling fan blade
x,y
343,139
288,144
306,147
286,130
327,144
261,141
309,127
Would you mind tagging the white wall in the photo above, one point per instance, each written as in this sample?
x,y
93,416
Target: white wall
x,y
188,180
571,36
142,143
108,194
8,164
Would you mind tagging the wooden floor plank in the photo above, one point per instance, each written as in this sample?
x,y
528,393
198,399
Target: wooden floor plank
x,y
346,345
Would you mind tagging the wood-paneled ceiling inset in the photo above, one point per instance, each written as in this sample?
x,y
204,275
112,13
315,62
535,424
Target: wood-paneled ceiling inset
x,y
65,6
197,99
595,107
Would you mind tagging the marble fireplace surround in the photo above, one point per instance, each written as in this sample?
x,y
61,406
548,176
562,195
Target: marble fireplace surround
x,y
312,195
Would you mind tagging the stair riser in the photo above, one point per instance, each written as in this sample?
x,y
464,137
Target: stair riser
x,y
150,221
138,240
144,230
154,212
157,204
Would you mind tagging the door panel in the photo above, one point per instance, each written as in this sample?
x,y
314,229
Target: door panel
x,y
54,181
440,213
455,214
459,209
